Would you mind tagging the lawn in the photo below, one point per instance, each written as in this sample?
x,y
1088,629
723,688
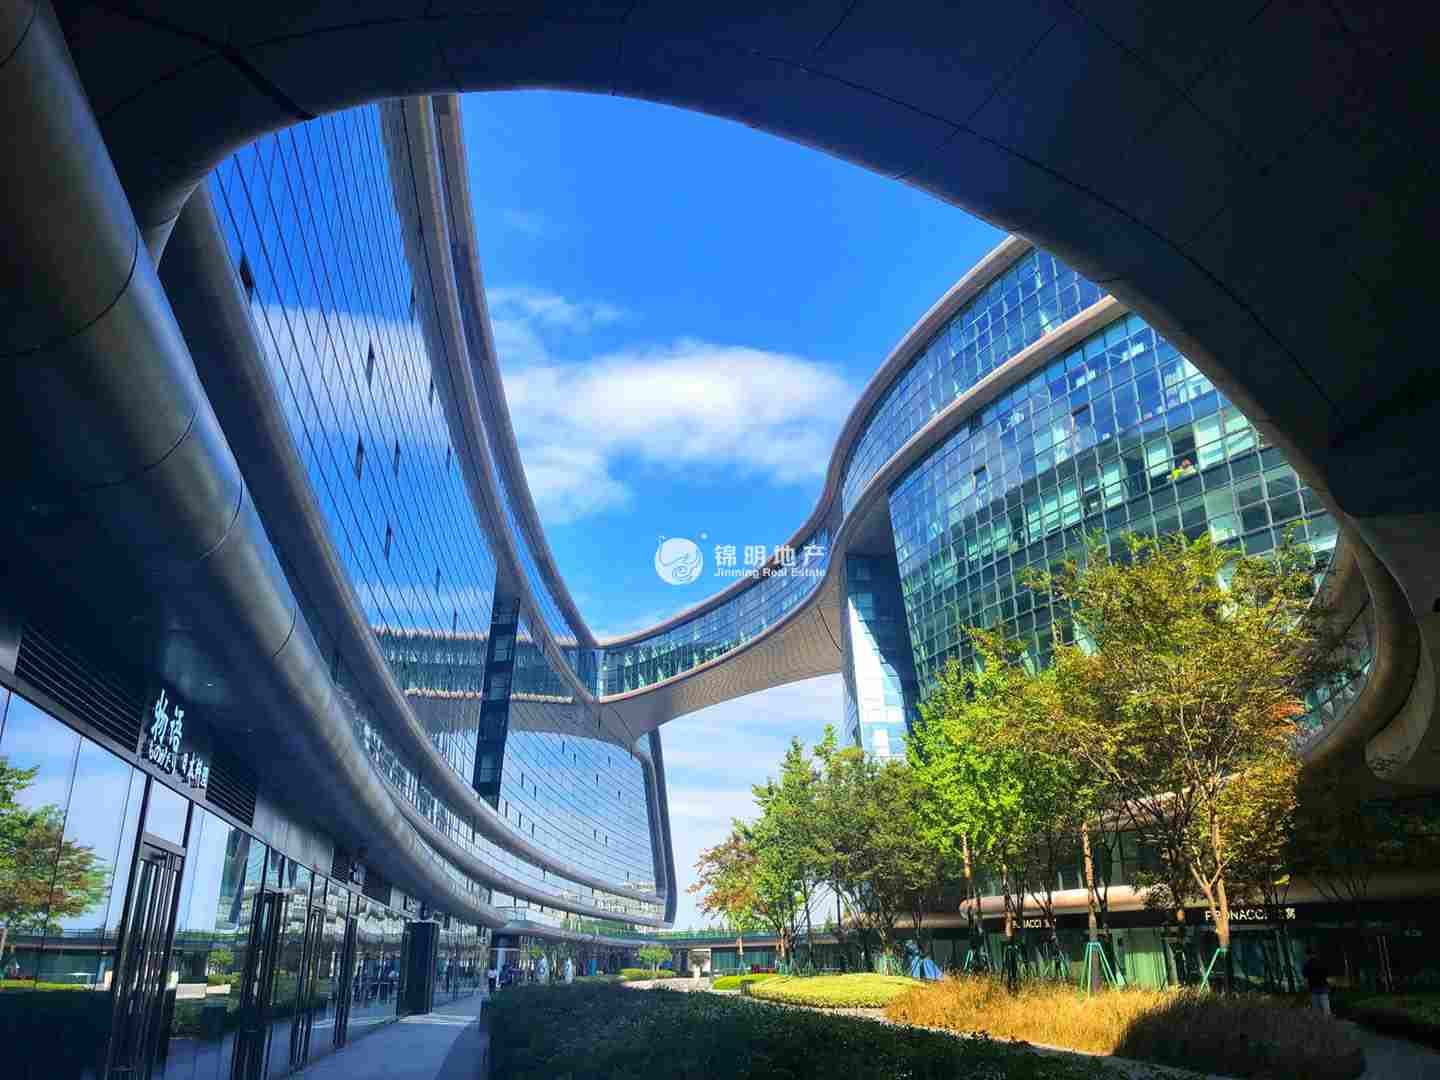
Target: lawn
x,y
592,1032
1412,1016
859,991
1245,1035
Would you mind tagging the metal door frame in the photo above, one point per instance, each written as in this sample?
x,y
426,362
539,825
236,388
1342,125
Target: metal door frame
x,y
304,1016
252,1041
168,859
407,942
347,981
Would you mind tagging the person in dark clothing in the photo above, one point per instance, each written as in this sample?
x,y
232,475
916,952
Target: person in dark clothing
x,y
1317,978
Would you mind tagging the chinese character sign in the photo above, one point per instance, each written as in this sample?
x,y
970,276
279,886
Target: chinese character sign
x,y
162,746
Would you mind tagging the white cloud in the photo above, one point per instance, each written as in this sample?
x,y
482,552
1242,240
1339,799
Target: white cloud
x,y
690,404
713,757
552,310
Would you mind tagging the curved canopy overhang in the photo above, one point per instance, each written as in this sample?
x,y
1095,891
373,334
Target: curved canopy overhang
x,y
1259,214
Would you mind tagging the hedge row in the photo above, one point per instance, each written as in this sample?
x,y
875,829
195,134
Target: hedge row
x,y
592,1032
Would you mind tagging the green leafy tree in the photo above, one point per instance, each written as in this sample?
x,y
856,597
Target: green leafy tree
x,y
991,787
654,955
877,856
1189,667
726,885
43,876
220,960
788,866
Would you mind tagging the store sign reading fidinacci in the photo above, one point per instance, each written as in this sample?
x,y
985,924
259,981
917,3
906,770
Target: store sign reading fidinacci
x,y
165,739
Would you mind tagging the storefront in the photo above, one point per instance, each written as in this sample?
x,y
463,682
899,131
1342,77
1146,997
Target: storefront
x,y
146,931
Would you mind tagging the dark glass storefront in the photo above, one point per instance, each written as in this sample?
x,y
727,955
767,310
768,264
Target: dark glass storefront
x,y
144,934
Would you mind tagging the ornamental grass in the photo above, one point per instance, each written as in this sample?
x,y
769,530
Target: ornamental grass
x,y
1246,1035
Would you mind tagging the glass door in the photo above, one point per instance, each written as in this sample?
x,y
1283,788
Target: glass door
x,y
141,976
407,942
308,1001
346,979
256,987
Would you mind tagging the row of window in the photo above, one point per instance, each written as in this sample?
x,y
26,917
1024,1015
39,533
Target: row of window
x,y
1119,434
723,628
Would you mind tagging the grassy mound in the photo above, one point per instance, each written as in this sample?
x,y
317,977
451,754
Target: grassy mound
x,y
592,1032
860,991
645,974
1243,1035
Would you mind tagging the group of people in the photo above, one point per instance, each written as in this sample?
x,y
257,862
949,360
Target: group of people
x,y
497,978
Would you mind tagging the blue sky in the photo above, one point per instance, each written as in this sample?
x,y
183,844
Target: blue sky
x,y
685,311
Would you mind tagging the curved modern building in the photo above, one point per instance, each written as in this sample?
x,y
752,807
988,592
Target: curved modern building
x,y
302,727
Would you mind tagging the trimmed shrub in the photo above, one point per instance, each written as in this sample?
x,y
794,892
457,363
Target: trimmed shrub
x,y
858,991
738,982
592,1032
645,974
1246,1035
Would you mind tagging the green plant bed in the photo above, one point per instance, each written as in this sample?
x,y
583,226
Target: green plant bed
x,y
645,974
1243,1035
738,982
858,991
1410,1016
592,1032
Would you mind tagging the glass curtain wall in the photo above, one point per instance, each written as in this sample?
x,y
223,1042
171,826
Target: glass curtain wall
x,y
228,998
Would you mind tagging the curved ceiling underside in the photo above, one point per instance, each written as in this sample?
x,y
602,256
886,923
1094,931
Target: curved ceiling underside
x,y
1244,177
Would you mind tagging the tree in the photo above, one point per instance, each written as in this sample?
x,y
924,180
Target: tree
x,y
872,845
43,876
1260,824
1343,838
1189,667
220,960
788,867
993,785
726,885
654,955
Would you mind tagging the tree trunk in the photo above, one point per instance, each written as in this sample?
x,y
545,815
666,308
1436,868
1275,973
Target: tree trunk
x,y
809,936
973,901
1093,921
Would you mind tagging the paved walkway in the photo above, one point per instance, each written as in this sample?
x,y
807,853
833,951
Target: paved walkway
x,y
447,1044
1388,1058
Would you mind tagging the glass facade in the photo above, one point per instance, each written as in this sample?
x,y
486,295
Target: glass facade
x,y
880,691
268,964
315,219
1121,434
1033,297
723,628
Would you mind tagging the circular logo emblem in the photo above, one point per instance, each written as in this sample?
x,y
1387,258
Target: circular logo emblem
x,y
678,561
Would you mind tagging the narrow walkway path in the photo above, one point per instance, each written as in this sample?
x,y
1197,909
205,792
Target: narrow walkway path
x,y
447,1044
1389,1058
